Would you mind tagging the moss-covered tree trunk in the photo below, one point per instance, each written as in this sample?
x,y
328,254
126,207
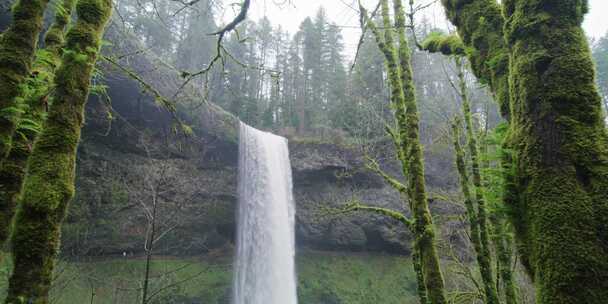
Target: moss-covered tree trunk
x,y
49,182
558,168
12,170
417,263
480,26
503,243
452,45
17,48
484,256
483,260
559,140
409,149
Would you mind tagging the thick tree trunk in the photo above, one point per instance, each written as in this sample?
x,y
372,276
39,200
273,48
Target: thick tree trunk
x,y
17,48
480,26
558,165
49,182
12,170
560,204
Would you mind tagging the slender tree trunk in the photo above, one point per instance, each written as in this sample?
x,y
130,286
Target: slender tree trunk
x,y
472,214
17,49
410,133
410,151
484,256
417,262
49,182
504,252
12,170
149,249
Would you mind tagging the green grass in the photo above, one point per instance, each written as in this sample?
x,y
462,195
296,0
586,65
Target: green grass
x,y
324,278
327,279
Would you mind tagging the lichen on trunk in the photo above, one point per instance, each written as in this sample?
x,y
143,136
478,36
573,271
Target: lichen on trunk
x,y
49,181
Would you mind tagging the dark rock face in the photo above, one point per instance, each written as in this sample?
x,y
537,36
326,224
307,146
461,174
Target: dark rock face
x,y
112,197
136,158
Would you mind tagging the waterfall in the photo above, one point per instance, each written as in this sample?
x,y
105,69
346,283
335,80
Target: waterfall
x,y
264,268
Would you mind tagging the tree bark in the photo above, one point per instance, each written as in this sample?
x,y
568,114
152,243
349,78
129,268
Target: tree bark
x,y
560,202
49,182
403,98
17,49
484,257
557,165
12,170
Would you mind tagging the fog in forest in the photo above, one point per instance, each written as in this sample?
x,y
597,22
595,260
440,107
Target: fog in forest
x,y
303,151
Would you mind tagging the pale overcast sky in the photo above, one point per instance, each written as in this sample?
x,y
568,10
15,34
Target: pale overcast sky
x,y
289,14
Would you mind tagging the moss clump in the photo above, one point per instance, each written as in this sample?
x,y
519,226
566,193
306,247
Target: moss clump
x,y
17,48
49,182
449,45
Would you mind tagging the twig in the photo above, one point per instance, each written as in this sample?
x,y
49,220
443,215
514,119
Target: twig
x,y
164,102
363,23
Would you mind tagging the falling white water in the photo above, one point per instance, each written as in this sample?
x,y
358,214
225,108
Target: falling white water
x,y
265,270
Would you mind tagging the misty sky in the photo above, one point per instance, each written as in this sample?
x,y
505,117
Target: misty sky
x,y
289,14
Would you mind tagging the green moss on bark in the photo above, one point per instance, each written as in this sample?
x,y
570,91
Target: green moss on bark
x,y
480,25
449,45
12,170
558,169
49,182
483,253
407,139
503,242
558,135
17,48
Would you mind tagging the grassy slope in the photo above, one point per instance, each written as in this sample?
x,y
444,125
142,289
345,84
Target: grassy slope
x,y
323,279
